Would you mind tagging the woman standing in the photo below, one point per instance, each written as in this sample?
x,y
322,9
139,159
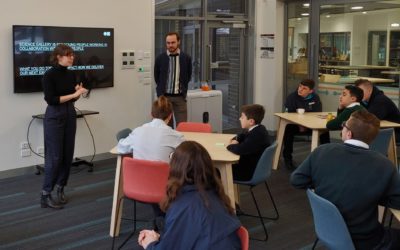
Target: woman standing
x,y
198,212
60,92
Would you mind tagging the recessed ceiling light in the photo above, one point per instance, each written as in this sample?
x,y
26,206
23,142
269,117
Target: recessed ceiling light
x,y
395,25
299,19
306,4
305,14
357,8
328,16
364,12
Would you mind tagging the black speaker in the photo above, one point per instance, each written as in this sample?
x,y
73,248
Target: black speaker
x,y
205,117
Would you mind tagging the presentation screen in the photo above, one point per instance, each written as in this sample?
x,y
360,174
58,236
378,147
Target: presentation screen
x,y
33,45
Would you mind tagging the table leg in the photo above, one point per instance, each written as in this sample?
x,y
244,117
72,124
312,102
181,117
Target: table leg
x,y
315,139
116,212
279,140
392,155
227,180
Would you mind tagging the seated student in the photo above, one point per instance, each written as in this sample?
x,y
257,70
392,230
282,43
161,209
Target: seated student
x,y
155,140
376,102
198,212
304,97
355,179
349,101
250,144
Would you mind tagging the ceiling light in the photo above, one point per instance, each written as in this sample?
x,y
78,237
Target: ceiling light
x,y
364,12
328,16
357,8
299,19
306,4
395,25
305,14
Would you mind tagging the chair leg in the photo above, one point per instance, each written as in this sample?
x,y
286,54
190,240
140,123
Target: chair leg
x,y
315,243
273,203
115,225
259,214
390,221
134,227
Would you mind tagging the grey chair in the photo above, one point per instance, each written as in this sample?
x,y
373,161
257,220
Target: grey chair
x,y
261,174
123,133
330,226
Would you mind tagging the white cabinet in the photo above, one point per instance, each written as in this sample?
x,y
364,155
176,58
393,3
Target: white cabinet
x,y
201,104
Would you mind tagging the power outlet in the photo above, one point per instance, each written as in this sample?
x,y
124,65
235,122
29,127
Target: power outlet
x,y
24,145
25,152
40,150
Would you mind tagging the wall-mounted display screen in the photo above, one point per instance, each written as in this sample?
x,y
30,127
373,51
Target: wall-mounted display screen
x,y
33,45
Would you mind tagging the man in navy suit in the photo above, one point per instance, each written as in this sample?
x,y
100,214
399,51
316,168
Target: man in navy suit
x,y
251,143
172,73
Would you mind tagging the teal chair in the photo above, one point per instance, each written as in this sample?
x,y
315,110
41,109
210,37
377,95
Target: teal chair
x,y
261,174
329,224
123,133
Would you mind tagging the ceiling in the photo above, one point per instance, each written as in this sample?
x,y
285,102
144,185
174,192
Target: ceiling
x,y
295,9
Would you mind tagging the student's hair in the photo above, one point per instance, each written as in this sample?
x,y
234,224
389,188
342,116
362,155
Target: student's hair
x,y
174,34
161,108
60,50
363,82
363,125
308,83
355,92
254,111
192,165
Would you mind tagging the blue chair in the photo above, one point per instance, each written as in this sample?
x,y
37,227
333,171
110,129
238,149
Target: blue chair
x,y
329,224
382,140
261,174
123,133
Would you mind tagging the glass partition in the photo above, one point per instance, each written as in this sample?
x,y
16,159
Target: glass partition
x,y
358,41
178,8
226,7
298,28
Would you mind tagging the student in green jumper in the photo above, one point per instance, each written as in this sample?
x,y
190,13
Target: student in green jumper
x,y
349,101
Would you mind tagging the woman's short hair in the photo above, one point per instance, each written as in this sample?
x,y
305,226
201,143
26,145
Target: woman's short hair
x,y
60,50
161,108
192,165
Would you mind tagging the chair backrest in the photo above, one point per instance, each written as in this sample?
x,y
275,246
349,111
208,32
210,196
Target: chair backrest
x,y
329,224
244,237
194,127
264,165
143,180
382,140
123,133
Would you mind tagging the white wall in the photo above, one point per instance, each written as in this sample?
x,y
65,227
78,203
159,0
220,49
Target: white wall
x,y
127,104
268,73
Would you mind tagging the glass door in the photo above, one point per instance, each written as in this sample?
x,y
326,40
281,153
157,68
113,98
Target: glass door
x,y
224,69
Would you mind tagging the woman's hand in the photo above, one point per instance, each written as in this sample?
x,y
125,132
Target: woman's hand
x,y
79,90
146,237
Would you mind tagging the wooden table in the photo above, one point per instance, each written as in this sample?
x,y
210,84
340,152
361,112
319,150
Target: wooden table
x,y
316,121
216,147
352,79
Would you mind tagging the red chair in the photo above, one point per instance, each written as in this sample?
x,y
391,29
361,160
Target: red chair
x,y
194,127
244,237
143,181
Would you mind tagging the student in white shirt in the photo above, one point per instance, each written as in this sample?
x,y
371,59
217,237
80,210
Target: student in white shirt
x,y
155,140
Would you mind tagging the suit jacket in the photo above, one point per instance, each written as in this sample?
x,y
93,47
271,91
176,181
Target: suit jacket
x,y
161,68
250,148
